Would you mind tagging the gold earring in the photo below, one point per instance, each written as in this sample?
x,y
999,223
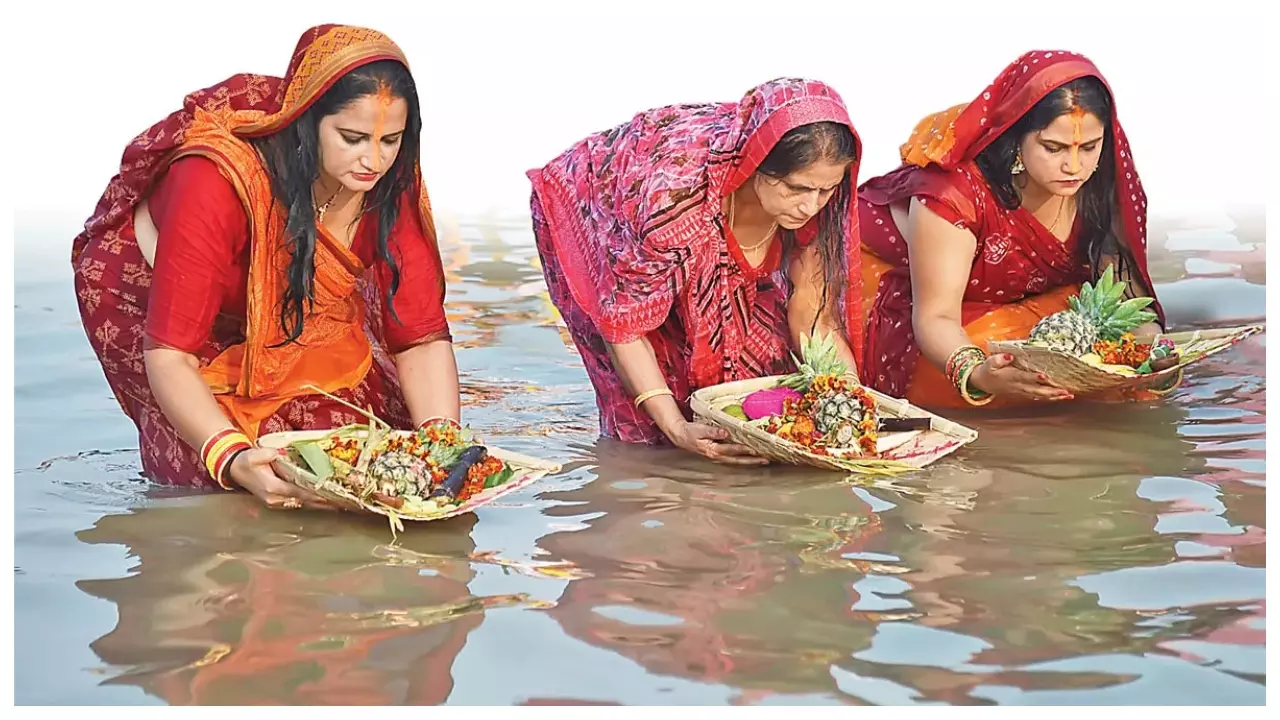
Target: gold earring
x,y
1018,168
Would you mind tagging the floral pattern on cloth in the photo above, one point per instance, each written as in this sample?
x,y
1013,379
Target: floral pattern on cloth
x,y
634,243
113,279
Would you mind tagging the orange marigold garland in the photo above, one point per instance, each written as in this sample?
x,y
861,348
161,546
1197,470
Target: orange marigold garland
x,y
1125,351
435,448
867,427
797,423
827,410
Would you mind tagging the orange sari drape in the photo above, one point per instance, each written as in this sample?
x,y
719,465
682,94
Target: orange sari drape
x,y
346,343
252,380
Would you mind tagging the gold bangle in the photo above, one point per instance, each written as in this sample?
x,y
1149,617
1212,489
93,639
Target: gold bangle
x,y
220,446
224,463
215,438
438,418
954,360
960,377
652,394
964,387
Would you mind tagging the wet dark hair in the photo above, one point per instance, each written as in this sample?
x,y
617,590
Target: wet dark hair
x,y
798,149
292,160
1098,207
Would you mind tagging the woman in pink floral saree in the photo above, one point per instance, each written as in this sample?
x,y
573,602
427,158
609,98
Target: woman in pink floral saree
x,y
694,244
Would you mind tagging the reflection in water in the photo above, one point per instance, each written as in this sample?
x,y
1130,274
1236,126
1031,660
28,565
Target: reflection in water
x,y
232,605
1083,554
962,578
713,578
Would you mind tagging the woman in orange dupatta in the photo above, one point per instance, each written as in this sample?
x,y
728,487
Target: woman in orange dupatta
x,y
1001,209
271,237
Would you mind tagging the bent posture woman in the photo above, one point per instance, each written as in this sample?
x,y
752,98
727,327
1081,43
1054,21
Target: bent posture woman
x,y
272,236
694,245
1001,209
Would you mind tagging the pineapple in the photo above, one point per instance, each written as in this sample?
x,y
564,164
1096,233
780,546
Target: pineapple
x,y
825,381
1067,331
399,473
1103,308
1097,313
818,358
833,410
845,435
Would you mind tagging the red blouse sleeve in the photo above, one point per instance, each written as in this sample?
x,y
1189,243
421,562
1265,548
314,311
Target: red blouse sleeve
x,y
954,195
203,232
419,299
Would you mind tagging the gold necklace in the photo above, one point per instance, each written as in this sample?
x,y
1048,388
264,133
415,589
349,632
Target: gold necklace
x,y
321,210
767,236
1061,206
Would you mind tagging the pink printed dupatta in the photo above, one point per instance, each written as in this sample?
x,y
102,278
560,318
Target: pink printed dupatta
x,y
635,217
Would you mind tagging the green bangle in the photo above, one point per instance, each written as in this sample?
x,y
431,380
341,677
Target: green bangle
x,y
963,374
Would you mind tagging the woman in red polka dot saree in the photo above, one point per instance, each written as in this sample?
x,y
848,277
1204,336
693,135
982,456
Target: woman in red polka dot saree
x,y
1001,208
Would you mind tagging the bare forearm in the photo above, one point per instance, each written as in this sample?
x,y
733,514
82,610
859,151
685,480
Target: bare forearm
x,y
637,366
183,395
429,380
938,337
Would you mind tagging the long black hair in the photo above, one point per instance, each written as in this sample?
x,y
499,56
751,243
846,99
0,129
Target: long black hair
x,y
1097,200
797,149
292,160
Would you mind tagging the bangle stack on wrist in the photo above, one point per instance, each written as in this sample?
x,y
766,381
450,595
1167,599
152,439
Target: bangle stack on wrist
x,y
220,450
960,367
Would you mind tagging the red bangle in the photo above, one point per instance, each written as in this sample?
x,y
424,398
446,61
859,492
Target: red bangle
x,y
218,451
956,361
437,419
224,463
213,440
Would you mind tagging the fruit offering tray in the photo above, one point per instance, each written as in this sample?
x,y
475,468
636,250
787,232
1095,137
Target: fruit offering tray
x,y
1092,347
821,417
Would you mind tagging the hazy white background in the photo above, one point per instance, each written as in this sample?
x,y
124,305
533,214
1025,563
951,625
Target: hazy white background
x,y
502,94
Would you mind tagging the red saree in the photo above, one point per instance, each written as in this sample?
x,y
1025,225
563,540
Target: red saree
x,y
634,244
217,284
1020,271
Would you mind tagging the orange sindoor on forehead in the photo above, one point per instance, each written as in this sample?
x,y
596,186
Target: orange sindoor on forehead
x,y
384,100
1077,136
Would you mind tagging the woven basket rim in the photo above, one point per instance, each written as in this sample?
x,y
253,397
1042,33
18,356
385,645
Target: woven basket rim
x,y
529,469
945,437
1072,373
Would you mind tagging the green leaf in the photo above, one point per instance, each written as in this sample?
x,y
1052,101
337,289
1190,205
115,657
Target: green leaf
x,y
347,431
500,477
446,456
1086,295
1135,304
316,458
